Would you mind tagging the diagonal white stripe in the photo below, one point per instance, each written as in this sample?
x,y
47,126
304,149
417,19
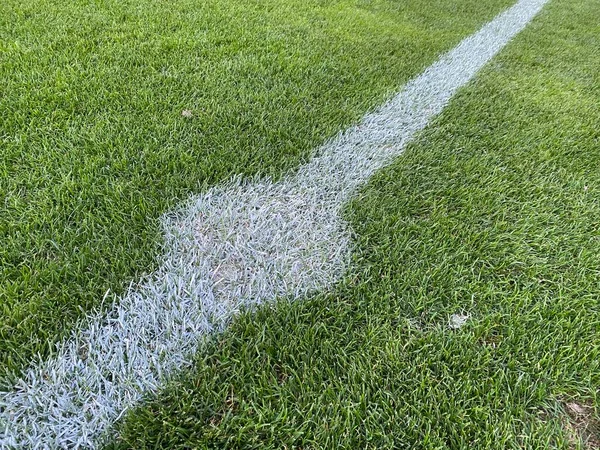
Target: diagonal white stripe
x,y
234,246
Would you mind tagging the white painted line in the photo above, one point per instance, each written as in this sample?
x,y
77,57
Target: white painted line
x,y
234,246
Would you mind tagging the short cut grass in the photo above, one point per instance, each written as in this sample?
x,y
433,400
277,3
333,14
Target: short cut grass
x,y
492,214
112,112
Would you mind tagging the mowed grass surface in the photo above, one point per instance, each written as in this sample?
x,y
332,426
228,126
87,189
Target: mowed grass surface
x,y
493,212
94,147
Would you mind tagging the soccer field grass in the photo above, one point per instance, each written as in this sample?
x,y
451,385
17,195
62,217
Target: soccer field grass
x,y
490,216
493,213
95,147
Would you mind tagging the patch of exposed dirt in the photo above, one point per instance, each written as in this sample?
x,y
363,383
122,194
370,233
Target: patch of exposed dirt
x,y
582,424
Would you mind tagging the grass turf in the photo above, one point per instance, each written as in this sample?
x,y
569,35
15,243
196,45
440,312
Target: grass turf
x,y
94,146
494,213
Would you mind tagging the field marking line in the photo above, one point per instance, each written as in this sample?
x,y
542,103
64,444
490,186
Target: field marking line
x,y
239,244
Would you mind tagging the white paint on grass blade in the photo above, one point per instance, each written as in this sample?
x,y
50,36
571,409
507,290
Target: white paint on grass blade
x,y
236,245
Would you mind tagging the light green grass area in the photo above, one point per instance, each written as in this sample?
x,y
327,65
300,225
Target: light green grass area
x,y
493,212
94,147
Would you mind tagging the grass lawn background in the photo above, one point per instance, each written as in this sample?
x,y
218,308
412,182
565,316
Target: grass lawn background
x,y
493,212
94,147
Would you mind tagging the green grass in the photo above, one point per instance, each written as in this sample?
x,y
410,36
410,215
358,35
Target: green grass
x,y
94,148
494,211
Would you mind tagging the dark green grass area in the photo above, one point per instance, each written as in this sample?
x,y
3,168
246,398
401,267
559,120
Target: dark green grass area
x,y
493,212
94,147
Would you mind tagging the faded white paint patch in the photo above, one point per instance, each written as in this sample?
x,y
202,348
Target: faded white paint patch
x,y
239,244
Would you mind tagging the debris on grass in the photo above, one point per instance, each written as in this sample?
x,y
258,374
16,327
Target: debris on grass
x,y
458,321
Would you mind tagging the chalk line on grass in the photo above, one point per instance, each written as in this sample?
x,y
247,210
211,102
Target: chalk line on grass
x,y
239,244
